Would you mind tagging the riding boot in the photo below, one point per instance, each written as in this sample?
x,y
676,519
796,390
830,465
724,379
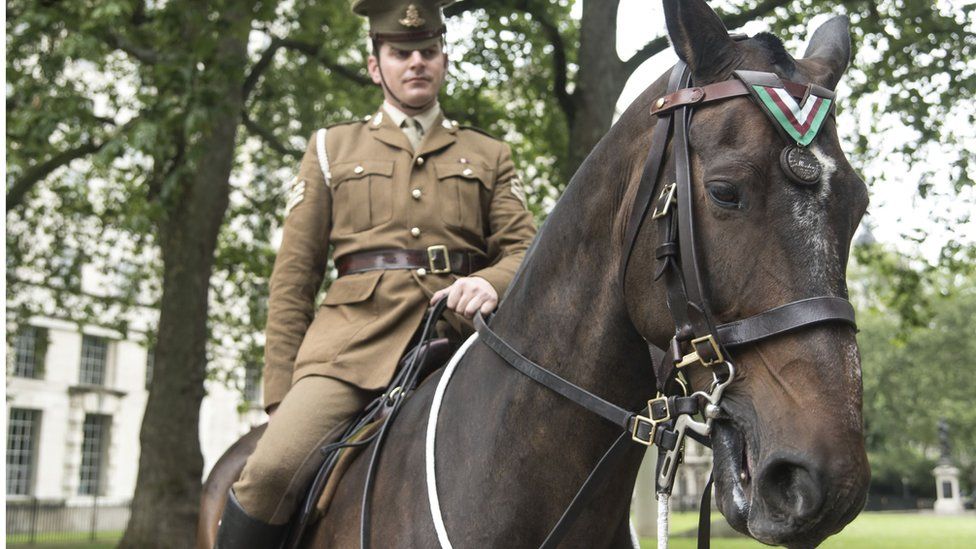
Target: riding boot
x,y
238,530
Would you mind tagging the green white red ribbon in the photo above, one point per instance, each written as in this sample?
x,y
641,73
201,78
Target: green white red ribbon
x,y
801,122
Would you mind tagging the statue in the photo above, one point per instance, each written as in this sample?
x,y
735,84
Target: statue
x,y
944,445
946,476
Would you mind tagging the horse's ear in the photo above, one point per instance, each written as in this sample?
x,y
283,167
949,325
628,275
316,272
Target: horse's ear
x,y
700,39
830,50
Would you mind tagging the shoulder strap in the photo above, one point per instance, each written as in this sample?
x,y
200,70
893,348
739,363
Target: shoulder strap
x,y
479,130
322,155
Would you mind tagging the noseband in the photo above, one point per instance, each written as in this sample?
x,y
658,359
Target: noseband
x,y
698,340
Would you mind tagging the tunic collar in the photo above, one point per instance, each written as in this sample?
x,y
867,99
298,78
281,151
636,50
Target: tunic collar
x,y
426,118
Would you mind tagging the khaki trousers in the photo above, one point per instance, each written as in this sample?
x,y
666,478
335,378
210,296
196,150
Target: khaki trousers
x,y
287,457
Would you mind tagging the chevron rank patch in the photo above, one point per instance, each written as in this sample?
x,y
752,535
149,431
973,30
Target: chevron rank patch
x,y
518,189
295,195
800,122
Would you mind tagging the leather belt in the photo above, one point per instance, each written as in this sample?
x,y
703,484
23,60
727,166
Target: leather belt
x,y
433,260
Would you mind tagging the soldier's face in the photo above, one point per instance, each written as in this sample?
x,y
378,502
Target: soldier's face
x,y
414,76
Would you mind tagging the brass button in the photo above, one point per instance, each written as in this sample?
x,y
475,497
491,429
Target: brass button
x,y
421,272
415,232
358,169
420,161
467,172
416,194
660,102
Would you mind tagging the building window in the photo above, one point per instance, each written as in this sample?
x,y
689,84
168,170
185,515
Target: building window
x,y
22,432
252,382
93,445
94,355
150,365
29,352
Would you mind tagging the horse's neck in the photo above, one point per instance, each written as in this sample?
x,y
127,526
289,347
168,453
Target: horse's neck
x,y
565,311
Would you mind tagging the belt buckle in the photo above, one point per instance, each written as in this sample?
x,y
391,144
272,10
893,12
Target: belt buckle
x,y
438,255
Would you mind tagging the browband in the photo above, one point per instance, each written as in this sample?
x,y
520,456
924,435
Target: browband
x,y
718,91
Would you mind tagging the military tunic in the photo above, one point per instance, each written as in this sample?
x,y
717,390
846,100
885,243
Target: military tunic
x,y
362,187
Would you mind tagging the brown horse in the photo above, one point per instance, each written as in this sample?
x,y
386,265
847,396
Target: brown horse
x,y
789,457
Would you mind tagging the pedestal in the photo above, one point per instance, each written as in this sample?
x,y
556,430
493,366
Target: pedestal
x,y
948,500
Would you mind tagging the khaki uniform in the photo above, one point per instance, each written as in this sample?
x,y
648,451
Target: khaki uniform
x,y
374,192
460,190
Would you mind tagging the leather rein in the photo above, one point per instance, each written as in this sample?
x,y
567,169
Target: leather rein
x,y
667,418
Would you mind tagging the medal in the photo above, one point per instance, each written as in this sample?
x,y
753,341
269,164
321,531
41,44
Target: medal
x,y
800,165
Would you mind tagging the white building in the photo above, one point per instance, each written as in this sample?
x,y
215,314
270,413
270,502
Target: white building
x,y
75,401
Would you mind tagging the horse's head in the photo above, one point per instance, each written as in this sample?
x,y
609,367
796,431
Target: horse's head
x,y
790,463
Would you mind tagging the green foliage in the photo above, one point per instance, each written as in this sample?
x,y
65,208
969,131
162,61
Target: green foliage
x,y
913,66
917,354
127,88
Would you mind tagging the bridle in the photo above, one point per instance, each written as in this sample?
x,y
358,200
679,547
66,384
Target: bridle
x,y
698,340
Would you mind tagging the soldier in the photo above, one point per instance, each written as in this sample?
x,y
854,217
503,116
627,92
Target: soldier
x,y
415,207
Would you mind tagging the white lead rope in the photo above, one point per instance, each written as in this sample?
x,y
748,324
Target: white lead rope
x,y
663,514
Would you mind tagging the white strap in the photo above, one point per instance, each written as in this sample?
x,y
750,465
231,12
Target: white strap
x,y
435,406
663,512
323,156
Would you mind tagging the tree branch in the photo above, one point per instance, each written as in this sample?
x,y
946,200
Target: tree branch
x,y
146,55
268,137
262,64
315,51
649,50
736,20
22,185
732,21
559,65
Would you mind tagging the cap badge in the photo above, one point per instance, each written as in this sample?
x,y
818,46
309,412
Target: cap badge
x,y
412,17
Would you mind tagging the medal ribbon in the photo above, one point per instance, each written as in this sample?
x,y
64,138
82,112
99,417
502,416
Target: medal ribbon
x,y
801,122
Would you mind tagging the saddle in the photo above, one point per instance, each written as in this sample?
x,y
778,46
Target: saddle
x,y
414,367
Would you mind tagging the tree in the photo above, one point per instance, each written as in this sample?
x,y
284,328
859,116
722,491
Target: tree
x,y
917,369
150,98
124,154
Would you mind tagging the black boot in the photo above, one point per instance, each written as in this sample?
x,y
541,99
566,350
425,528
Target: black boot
x,y
238,530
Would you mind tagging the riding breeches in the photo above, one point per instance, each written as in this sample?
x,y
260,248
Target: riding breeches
x,y
287,456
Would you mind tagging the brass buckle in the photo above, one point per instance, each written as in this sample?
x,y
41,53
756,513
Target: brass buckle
x,y
633,433
667,197
695,356
638,420
434,255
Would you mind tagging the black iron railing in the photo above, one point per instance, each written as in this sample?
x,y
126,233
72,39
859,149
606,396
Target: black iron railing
x,y
35,521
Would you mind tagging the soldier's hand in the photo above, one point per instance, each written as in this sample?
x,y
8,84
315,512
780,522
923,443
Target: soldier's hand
x,y
469,295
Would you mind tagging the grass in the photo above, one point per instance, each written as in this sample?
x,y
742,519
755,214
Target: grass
x,y
869,531
891,530
73,540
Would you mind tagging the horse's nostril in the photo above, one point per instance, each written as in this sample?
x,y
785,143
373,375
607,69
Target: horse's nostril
x,y
789,489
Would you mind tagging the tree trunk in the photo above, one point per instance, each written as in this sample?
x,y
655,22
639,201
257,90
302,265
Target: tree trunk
x,y
599,82
166,500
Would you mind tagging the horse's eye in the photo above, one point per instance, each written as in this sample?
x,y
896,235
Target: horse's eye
x,y
724,194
